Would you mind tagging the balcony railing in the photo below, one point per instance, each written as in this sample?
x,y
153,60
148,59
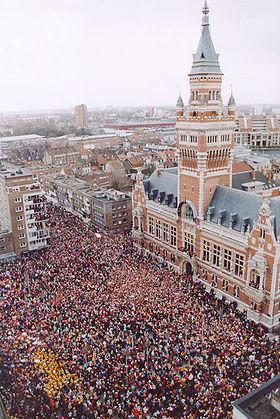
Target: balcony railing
x,y
254,294
185,254
138,233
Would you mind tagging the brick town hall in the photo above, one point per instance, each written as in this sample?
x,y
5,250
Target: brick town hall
x,y
193,219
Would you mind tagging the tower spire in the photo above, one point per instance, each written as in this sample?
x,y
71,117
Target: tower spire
x,y
205,14
205,60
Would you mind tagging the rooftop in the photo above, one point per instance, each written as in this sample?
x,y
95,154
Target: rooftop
x,y
205,60
162,187
259,403
21,137
93,191
15,173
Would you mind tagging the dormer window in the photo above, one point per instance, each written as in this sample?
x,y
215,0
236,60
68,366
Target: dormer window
x,y
189,213
202,56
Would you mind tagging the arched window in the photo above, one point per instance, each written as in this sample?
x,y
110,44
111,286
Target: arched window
x,y
196,96
189,213
217,95
193,95
255,280
210,95
136,223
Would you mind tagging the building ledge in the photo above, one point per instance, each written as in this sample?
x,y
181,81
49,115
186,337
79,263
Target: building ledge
x,y
257,296
138,234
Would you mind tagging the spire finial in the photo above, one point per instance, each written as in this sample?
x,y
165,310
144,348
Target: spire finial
x,y
205,12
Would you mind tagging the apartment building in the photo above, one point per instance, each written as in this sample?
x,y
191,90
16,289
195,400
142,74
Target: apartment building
x,y
259,131
98,177
81,116
60,156
6,245
23,211
106,209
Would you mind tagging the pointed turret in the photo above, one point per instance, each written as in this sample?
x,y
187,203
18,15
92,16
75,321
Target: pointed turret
x,y
180,101
231,101
231,105
180,106
206,60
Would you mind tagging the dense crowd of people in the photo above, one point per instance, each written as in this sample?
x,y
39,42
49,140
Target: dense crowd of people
x,y
90,328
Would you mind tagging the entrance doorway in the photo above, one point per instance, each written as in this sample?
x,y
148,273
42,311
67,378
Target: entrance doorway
x,y
188,269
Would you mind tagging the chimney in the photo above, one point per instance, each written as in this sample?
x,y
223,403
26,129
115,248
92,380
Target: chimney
x,y
253,174
159,168
269,175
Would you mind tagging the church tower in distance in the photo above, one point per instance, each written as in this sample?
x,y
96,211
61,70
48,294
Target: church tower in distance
x,y
205,128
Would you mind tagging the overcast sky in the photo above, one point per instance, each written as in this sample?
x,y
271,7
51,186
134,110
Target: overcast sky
x,y
58,53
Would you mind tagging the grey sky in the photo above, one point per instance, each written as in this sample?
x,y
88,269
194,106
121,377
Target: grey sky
x,y
57,53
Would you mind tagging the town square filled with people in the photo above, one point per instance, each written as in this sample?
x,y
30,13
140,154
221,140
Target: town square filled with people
x,y
91,328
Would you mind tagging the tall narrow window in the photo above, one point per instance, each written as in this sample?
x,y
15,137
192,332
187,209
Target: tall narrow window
x,y
236,291
262,233
158,229
227,259
206,251
151,225
173,236
189,242
216,255
239,265
225,285
165,232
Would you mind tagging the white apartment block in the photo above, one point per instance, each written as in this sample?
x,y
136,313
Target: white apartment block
x,y
23,210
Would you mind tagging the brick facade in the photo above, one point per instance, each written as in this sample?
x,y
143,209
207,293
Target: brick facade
x,y
194,221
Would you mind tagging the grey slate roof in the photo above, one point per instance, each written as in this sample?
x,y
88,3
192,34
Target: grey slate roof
x,y
205,60
231,205
230,202
231,101
239,178
163,188
180,101
275,218
240,207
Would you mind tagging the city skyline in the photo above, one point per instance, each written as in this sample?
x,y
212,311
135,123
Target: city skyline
x,y
135,54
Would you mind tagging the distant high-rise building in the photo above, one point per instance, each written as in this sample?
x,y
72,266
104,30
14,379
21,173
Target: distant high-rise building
x,y
81,116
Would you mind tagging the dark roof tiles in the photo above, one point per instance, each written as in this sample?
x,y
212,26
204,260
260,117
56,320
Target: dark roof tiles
x,y
162,187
